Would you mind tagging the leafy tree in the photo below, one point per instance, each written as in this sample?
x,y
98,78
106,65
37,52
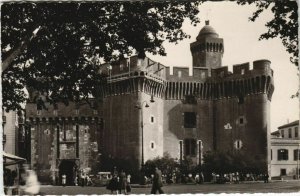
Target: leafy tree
x,y
284,24
166,164
228,162
57,48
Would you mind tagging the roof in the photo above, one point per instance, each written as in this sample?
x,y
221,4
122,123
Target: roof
x,y
207,31
294,123
10,159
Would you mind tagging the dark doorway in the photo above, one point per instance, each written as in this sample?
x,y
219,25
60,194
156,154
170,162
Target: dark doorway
x,y
67,167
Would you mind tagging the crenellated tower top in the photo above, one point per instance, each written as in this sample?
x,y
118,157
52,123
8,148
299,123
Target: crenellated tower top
x,y
208,49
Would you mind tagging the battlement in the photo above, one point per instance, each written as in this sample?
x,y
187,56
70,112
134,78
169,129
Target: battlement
x,y
259,67
135,67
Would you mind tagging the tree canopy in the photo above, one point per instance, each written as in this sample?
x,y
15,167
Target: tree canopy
x,y
283,25
56,48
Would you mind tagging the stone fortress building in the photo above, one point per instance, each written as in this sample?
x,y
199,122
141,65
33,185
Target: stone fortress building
x,y
211,109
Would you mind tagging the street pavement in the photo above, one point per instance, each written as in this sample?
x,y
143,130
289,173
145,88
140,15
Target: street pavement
x,y
253,187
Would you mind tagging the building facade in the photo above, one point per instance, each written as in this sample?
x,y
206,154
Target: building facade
x,y
149,109
285,151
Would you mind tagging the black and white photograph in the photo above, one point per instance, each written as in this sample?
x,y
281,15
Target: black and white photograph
x,y
150,97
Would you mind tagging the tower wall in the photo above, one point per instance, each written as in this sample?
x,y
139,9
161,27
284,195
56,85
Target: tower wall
x,y
174,130
207,52
250,123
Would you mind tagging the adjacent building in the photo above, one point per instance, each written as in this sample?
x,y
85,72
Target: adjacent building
x,y
285,151
147,109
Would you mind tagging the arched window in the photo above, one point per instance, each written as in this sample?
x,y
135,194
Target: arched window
x,y
283,154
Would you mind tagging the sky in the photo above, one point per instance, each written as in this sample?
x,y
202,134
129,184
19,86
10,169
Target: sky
x,y
241,45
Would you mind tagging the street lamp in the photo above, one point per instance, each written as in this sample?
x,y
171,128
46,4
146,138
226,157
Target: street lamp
x,y
140,107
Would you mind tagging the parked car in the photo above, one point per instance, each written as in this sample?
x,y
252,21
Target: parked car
x,y
102,178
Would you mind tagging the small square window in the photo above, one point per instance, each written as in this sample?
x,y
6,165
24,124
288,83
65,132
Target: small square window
x,y
283,172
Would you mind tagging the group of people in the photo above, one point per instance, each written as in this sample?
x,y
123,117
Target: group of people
x,y
119,182
238,177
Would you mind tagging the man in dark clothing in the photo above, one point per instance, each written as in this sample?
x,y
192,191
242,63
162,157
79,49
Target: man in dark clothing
x,y
157,182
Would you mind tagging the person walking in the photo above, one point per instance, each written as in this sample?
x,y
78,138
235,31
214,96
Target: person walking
x,y
157,182
113,183
122,182
128,186
201,178
32,185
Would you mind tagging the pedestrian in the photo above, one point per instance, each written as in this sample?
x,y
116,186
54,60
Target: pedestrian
x,y
128,186
201,178
64,179
113,183
237,178
197,178
76,180
122,182
157,182
266,178
32,185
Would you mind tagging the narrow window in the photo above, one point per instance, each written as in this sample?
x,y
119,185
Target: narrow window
x,y
190,120
152,119
271,154
290,133
238,144
241,99
190,147
296,155
282,133
296,132
152,145
241,120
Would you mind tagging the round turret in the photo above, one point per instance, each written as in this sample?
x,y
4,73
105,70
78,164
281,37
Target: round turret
x,y
207,31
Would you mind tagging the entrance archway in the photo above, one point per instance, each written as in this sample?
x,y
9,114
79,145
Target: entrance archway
x,y
67,167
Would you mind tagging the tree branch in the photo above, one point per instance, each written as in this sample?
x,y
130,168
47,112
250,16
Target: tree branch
x,y
18,50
